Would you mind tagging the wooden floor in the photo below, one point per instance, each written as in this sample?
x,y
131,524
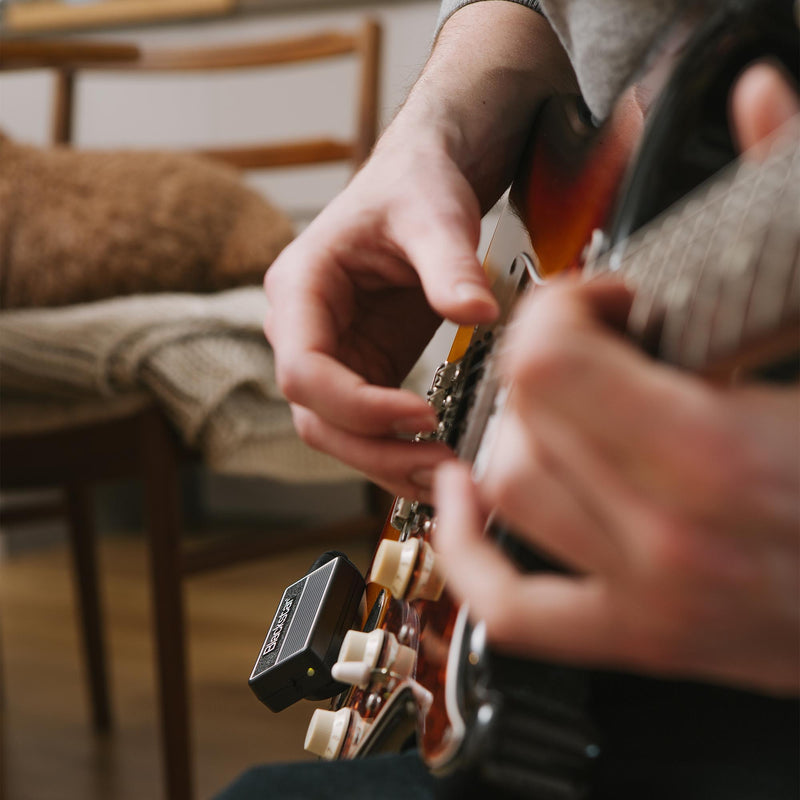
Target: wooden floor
x,y
51,753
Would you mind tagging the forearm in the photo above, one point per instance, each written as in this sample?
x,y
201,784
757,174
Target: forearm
x,y
492,65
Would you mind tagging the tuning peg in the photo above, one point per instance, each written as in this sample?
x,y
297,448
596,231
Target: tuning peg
x,y
408,570
362,654
355,673
327,731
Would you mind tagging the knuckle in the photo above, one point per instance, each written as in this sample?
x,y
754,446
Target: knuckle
x,y
692,561
290,381
667,555
306,427
274,275
269,278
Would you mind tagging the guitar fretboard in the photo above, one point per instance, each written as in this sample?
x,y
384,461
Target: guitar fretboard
x,y
720,270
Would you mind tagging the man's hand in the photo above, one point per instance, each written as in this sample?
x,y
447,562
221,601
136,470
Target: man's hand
x,y
350,312
354,300
675,502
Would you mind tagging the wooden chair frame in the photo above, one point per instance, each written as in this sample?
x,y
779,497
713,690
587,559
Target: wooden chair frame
x,y
142,443
69,59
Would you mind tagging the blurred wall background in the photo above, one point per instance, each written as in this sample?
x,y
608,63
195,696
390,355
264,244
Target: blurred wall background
x,y
216,109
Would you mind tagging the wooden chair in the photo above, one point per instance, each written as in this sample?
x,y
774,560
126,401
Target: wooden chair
x,y
78,446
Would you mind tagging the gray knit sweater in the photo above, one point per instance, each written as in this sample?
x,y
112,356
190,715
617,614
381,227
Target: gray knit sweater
x,y
606,39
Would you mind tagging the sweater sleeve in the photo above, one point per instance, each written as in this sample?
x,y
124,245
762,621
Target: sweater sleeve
x,y
449,7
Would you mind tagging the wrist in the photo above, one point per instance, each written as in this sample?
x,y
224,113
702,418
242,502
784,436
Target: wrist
x,y
475,101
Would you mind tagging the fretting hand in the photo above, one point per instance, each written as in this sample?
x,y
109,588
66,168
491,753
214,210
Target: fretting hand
x,y
675,502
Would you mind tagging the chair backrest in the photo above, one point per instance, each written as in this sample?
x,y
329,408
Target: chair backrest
x,y
69,59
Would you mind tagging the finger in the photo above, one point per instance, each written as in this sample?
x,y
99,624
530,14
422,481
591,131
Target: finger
x,y
474,566
401,467
564,361
529,492
560,356
345,400
540,615
304,330
441,243
762,100
308,299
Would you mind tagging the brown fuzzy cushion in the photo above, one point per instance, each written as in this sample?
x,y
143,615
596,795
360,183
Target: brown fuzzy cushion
x,y
79,226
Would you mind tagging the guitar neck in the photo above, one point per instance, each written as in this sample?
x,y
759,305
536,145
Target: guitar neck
x,y
717,278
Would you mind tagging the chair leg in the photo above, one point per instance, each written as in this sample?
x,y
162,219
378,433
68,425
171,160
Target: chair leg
x,y
83,547
378,500
162,499
3,760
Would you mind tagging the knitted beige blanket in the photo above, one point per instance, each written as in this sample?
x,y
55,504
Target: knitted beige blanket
x,y
203,358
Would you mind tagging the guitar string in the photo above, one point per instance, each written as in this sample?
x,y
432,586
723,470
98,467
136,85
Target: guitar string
x,y
695,220
643,311
677,319
772,293
718,325
791,307
718,214
715,202
744,302
734,259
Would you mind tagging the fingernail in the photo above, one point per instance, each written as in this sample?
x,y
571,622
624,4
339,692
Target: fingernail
x,y
411,425
422,478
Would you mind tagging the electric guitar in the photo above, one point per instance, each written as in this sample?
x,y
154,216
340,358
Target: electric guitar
x,y
710,245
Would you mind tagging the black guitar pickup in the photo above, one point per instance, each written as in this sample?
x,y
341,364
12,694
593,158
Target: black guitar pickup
x,y
306,634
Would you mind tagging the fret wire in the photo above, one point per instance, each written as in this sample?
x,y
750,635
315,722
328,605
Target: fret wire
x,y
685,284
739,204
637,266
791,308
694,345
644,308
641,248
737,266
776,209
699,317
704,200
772,293
729,330
707,204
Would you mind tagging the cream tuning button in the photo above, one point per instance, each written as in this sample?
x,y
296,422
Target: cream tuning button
x,y
363,653
408,569
326,732
364,647
358,656
355,673
394,565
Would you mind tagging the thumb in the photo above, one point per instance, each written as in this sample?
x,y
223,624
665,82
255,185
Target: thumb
x,y
763,99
